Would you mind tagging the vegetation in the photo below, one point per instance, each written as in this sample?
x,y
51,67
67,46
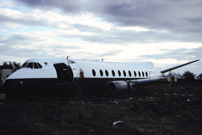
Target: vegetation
x,y
10,65
155,109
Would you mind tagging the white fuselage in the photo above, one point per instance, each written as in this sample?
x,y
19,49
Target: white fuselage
x,y
37,73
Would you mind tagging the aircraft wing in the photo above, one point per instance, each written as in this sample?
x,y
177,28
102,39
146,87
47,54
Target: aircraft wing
x,y
172,68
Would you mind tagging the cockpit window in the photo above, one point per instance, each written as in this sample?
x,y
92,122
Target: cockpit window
x,y
24,64
39,65
32,65
35,65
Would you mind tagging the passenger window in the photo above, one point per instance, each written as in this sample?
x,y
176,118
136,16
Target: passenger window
x,y
146,74
135,74
139,73
113,73
124,73
106,72
101,73
93,72
119,73
129,73
142,73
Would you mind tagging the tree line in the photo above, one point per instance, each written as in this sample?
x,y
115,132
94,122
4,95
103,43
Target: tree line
x,y
187,75
10,65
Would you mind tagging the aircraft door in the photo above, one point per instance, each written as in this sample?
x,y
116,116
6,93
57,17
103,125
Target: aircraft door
x,y
64,74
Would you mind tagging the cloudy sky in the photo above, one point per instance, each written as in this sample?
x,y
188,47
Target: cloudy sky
x,y
166,32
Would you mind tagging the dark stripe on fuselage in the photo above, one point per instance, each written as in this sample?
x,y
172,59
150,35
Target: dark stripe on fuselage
x,y
50,85
30,86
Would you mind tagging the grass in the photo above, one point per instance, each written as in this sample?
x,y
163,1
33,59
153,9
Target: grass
x,y
149,111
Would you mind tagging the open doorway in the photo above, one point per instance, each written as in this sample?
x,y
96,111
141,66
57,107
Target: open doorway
x,y
64,74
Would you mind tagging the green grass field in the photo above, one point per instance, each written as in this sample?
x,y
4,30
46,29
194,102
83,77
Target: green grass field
x,y
159,110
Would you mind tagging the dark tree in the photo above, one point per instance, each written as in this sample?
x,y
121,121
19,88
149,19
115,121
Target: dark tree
x,y
16,65
7,65
189,77
10,65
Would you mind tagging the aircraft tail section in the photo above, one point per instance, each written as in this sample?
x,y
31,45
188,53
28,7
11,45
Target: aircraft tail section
x,y
169,69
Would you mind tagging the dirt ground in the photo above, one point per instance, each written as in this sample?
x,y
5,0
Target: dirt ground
x,y
151,110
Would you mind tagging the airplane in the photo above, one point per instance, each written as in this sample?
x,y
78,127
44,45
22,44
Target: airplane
x,y
48,75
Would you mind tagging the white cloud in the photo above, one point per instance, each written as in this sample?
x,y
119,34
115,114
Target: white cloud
x,y
136,29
